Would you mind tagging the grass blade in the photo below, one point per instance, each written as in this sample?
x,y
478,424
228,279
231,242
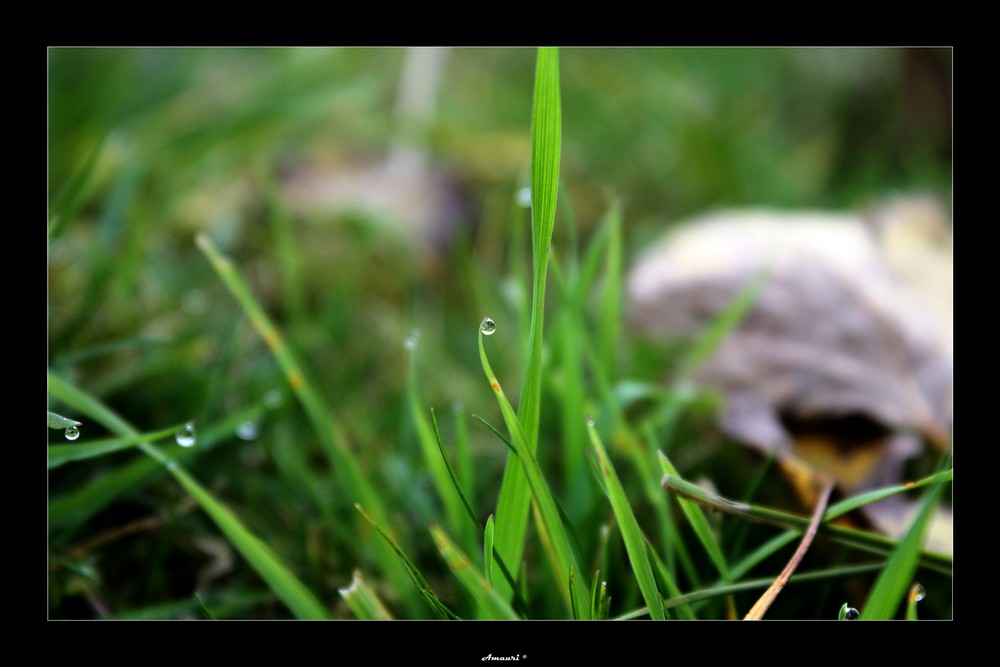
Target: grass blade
x,y
635,544
61,454
439,609
343,462
859,539
473,581
363,600
891,586
267,564
698,523
546,133
550,527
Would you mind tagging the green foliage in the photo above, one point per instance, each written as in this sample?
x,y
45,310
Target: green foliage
x,y
189,283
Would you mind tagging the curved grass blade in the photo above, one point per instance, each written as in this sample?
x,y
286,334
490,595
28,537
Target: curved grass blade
x,y
267,564
475,583
698,521
631,534
546,137
551,529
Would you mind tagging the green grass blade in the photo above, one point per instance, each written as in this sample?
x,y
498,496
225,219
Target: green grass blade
x,y
363,600
60,422
546,137
474,582
437,462
61,454
635,544
267,564
343,462
699,523
891,586
65,208
425,590
668,582
488,550
859,539
551,529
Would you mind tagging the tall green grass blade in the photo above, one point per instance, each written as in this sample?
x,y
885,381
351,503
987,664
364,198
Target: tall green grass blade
x,y
546,136
551,529
474,582
62,454
635,544
699,523
891,586
363,600
267,564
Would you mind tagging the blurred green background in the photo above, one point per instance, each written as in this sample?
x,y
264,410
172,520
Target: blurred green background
x,y
149,146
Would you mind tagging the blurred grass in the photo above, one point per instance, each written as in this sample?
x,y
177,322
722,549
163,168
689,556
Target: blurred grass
x,y
148,148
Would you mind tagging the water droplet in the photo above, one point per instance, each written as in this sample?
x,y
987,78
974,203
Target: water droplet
x,y
917,592
488,326
457,407
413,339
524,197
590,420
272,399
186,437
852,614
72,433
248,430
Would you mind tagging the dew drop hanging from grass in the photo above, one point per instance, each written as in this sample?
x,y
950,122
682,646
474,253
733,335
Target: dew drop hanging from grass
x,y
72,433
488,326
186,437
247,430
412,340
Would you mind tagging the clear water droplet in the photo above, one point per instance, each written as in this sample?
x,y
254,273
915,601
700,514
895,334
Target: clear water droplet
x,y
917,592
248,430
72,433
272,399
852,614
413,339
488,326
590,420
186,437
524,197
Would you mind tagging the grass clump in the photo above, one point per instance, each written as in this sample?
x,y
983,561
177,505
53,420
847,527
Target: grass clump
x,y
346,466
